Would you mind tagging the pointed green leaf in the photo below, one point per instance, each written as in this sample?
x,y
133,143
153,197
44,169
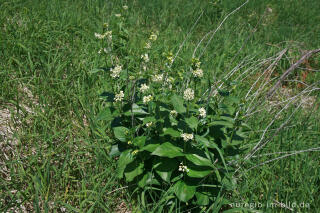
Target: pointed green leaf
x,y
121,133
133,170
169,150
164,167
202,140
203,198
221,123
139,141
124,159
105,115
198,160
171,132
192,122
199,172
177,103
183,191
136,110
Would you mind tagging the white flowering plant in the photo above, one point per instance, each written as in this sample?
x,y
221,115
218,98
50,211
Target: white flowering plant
x,y
168,133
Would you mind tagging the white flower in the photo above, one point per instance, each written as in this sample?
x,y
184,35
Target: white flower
x,y
183,168
147,99
99,52
149,124
144,88
157,78
119,96
188,94
186,137
202,112
115,72
147,45
198,64
125,7
153,37
145,57
173,113
197,73
108,34
98,36
117,15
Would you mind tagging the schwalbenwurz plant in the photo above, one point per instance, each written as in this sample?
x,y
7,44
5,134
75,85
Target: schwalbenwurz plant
x,y
174,138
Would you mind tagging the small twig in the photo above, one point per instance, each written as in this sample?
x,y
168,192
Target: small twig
x,y
118,189
214,31
316,149
293,67
185,39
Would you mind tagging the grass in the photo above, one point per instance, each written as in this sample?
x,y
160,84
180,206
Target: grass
x,y
56,157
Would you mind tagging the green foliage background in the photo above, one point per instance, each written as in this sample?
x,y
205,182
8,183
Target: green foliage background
x,y
61,158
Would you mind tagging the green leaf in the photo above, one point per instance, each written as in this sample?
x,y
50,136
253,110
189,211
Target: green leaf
x,y
192,122
114,151
150,147
149,119
202,140
95,70
169,150
198,160
146,179
105,115
139,141
136,110
177,103
171,132
124,159
215,146
133,170
199,171
120,133
183,191
202,198
221,123
164,167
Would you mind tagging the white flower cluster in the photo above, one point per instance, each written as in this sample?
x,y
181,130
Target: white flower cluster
x,y
144,88
153,37
202,112
107,34
186,137
145,57
119,96
157,78
147,99
117,15
198,63
197,73
125,7
115,72
173,113
188,94
183,168
149,124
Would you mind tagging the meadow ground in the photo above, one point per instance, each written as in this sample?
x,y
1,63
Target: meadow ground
x,y
54,149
